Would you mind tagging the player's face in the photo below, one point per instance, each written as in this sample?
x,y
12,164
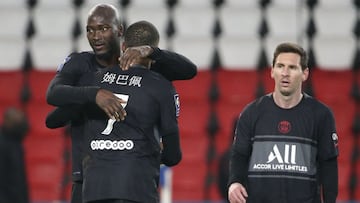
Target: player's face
x,y
288,75
103,35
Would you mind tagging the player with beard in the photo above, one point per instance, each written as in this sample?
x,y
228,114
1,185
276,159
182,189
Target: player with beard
x,y
123,158
285,146
104,31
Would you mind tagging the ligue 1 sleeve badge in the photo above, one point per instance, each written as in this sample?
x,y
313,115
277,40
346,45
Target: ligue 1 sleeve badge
x,y
177,104
335,139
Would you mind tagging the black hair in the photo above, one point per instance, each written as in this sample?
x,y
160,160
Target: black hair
x,y
141,33
288,47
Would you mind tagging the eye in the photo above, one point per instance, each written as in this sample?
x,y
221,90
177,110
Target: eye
x,y
89,30
105,28
293,67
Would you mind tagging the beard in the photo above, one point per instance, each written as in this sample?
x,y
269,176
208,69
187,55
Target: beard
x,y
285,92
111,50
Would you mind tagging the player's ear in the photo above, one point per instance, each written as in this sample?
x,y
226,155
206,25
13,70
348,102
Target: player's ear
x,y
123,47
120,31
305,74
272,72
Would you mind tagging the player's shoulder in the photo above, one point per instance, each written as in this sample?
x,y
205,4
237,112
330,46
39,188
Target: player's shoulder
x,y
260,101
315,104
84,55
152,76
76,58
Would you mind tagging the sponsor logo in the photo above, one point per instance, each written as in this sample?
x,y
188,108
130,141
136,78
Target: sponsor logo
x,y
282,161
112,144
289,155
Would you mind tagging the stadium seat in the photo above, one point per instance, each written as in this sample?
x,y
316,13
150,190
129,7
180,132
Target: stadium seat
x,y
189,180
47,16
283,20
250,4
19,18
11,83
329,49
37,116
240,21
13,50
234,49
194,21
237,87
197,48
47,60
45,165
38,83
194,90
193,118
159,18
344,178
340,17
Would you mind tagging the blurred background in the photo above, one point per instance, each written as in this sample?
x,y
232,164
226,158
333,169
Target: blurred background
x,y
231,42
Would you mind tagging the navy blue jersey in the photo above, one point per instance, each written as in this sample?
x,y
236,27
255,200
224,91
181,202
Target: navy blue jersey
x,y
66,88
123,158
69,74
280,150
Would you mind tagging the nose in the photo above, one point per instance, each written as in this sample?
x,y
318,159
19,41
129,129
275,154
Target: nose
x,y
285,71
97,34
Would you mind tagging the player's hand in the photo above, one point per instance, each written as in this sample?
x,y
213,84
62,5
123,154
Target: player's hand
x,y
111,104
237,193
133,54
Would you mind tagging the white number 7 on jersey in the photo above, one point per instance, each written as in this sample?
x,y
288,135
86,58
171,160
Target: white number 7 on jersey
x,y
111,121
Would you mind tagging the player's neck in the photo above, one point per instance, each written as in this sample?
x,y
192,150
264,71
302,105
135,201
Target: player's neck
x,y
287,102
108,60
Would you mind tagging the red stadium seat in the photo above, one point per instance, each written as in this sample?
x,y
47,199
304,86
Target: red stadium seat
x,y
45,165
237,87
196,89
188,180
39,81
11,83
193,118
37,116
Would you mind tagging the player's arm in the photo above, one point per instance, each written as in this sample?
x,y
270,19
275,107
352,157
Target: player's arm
x,y
329,177
64,88
241,148
171,65
171,153
169,103
327,156
61,116
239,157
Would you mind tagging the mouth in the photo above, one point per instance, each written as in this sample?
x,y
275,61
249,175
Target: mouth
x,y
285,83
98,45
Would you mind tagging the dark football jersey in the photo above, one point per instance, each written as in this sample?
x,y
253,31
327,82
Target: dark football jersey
x,y
123,158
69,73
284,147
65,88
